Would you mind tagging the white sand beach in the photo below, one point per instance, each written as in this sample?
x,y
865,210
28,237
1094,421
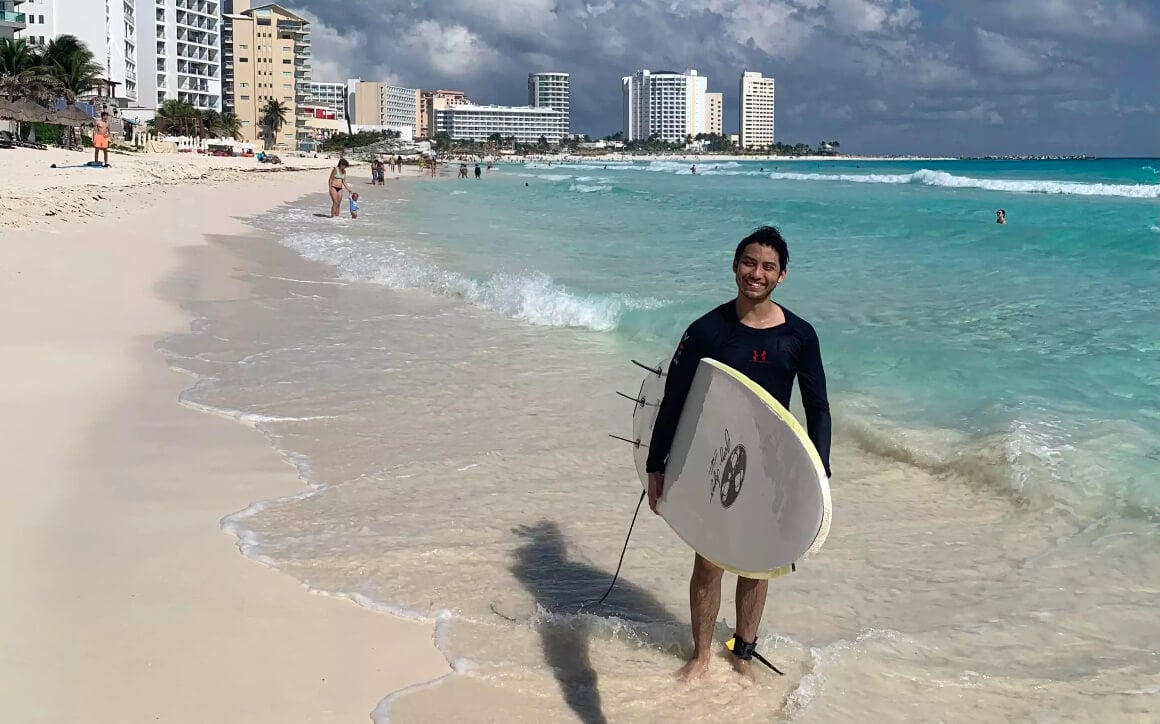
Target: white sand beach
x,y
124,601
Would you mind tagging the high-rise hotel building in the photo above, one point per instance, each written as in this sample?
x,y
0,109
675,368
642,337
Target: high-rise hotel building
x,y
665,104
755,104
373,103
266,56
150,50
331,96
180,53
109,29
716,102
551,90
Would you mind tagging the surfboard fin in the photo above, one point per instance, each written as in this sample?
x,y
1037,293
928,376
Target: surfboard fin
x,y
634,443
748,650
655,370
638,400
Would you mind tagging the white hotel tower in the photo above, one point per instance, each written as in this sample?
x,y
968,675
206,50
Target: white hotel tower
x,y
551,90
107,27
154,50
666,104
756,102
180,52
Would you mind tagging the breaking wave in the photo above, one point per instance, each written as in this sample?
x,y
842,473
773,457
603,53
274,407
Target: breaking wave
x,y
529,296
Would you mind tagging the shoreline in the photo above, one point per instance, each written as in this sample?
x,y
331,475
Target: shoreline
x,y
126,601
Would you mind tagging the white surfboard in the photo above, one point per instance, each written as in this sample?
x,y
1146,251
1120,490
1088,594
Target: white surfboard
x,y
744,485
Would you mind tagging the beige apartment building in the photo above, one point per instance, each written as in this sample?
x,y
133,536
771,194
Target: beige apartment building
x,y
371,103
715,101
756,103
266,56
433,101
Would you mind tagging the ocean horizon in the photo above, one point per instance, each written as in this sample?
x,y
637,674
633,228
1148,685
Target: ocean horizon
x,y
442,372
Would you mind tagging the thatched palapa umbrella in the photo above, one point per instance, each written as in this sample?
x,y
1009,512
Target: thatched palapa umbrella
x,y
72,116
24,111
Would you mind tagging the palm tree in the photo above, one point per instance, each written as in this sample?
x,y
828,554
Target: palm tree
x,y
17,56
175,117
22,73
273,117
230,126
72,63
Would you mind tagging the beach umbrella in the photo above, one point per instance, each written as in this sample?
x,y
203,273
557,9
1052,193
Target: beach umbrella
x,y
72,116
26,111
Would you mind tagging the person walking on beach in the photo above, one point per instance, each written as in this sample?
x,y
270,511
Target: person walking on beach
x,y
336,184
771,345
101,139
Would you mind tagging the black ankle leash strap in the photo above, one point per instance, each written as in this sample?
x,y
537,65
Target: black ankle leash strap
x,y
746,650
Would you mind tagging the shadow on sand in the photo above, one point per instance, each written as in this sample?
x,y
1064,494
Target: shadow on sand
x,y
562,586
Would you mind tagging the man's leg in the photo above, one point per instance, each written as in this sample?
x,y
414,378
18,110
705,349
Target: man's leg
x,y
704,603
751,595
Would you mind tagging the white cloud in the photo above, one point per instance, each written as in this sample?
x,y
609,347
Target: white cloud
x,y
1110,20
875,56
451,49
870,16
1007,56
333,51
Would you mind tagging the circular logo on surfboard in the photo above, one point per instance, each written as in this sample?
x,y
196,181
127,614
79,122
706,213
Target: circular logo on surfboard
x,y
732,476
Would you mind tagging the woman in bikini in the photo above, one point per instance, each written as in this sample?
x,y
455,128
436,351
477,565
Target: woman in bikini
x,y
337,183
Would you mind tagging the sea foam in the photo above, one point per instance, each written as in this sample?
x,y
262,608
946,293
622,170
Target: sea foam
x,y
927,177
921,177
529,296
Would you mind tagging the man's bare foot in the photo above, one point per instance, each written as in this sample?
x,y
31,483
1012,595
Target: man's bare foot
x,y
745,668
695,669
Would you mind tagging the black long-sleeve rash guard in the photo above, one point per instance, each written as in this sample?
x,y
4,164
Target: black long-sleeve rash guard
x,y
770,357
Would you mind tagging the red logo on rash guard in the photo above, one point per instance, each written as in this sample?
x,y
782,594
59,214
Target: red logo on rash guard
x,y
759,357
680,349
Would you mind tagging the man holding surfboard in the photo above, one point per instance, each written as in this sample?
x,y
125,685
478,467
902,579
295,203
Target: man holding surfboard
x,y
771,346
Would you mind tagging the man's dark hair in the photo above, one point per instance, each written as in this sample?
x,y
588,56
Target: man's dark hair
x,y
765,236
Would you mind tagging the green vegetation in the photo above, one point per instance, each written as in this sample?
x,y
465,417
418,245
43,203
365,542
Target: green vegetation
x,y
342,141
272,118
177,118
63,68
711,143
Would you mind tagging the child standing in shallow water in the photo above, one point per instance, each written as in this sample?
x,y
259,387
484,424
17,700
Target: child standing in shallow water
x,y
354,205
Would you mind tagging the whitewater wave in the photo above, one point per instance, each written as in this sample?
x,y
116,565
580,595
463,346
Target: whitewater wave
x,y
927,177
921,177
589,188
529,296
1039,462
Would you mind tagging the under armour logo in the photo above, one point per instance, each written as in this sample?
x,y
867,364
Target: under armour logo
x,y
759,357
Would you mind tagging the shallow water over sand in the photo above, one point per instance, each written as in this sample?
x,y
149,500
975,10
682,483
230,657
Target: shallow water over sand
x,y
460,471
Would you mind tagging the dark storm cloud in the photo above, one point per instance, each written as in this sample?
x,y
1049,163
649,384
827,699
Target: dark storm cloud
x,y
893,76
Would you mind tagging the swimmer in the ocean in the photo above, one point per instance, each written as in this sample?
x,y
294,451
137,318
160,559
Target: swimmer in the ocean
x,y
1000,217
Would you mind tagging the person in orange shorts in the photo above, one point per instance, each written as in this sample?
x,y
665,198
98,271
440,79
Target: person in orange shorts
x,y
101,139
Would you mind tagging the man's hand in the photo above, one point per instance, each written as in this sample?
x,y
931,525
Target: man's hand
x,y
656,486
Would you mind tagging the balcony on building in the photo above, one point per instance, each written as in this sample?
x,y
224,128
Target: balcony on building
x,y
11,22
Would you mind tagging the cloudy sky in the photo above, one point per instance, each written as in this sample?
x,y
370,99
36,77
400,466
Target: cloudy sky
x,y
881,76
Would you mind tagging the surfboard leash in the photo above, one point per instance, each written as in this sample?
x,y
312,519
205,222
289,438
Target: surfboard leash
x,y
746,650
622,552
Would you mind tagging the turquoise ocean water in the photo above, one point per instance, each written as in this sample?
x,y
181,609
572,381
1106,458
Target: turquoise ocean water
x,y
442,370
1035,343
